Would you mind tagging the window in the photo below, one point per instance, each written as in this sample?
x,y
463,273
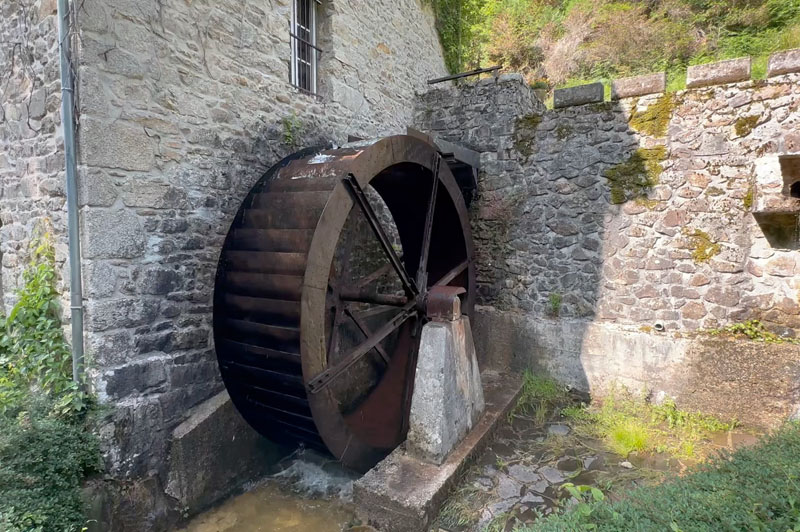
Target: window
x,y
303,37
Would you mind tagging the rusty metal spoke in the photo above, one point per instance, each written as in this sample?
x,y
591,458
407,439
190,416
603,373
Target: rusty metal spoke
x,y
365,330
452,274
422,270
361,200
320,381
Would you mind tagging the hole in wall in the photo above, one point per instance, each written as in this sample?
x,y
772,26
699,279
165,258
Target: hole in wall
x,y
780,229
790,170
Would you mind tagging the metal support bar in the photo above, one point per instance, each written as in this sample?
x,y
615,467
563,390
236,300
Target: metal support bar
x,y
323,379
367,333
68,127
361,199
452,274
464,74
422,271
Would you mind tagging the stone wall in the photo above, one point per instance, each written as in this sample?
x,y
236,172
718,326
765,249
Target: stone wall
x,y
31,156
608,233
182,107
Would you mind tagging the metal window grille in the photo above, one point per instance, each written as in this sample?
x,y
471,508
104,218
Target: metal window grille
x,y
303,36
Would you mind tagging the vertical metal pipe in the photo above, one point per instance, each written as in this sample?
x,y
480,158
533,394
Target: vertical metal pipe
x,y
68,125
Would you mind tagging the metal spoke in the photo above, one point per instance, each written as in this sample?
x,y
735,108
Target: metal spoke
x,y
422,270
320,381
361,199
452,274
364,296
366,332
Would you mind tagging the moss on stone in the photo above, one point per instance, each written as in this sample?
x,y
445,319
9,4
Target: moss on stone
x,y
702,246
654,120
715,191
747,201
633,178
563,131
745,125
525,132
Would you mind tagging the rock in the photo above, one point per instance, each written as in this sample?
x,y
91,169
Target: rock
x,y
558,430
718,73
502,506
530,498
784,62
569,464
483,483
638,85
551,474
626,465
583,94
523,473
507,487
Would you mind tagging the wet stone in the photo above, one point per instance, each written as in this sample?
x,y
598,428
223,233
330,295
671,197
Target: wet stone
x,y
539,486
508,487
569,464
524,474
484,484
531,498
551,474
558,430
502,506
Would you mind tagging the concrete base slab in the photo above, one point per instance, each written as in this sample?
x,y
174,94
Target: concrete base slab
x,y
404,494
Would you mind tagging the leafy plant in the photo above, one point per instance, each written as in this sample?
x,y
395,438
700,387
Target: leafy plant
x,y
555,304
34,357
292,130
584,495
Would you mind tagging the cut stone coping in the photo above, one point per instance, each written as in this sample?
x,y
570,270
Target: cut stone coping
x,y
580,95
638,85
719,73
784,62
405,494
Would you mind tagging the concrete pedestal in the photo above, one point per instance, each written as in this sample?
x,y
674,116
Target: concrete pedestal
x,y
448,396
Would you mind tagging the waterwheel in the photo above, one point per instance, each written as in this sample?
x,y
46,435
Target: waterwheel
x,y
321,292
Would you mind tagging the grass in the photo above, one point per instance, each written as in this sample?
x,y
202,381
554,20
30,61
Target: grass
x,y
628,424
463,507
539,397
755,488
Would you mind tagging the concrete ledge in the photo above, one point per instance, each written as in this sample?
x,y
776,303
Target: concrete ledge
x,y
718,73
583,94
404,494
638,85
784,62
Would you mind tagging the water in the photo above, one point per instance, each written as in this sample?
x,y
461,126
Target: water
x,y
309,494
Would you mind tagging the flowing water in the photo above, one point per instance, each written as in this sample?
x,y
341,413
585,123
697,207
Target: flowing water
x,y
310,494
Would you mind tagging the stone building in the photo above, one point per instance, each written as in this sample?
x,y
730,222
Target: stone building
x,y
182,106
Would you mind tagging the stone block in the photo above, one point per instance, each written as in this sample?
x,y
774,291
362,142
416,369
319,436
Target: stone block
x,y
448,397
638,85
213,453
583,94
784,62
719,73
112,234
116,145
147,375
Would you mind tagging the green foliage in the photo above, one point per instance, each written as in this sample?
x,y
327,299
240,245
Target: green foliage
x,y
292,130
654,120
703,248
585,495
754,330
634,178
43,461
747,201
627,423
755,488
458,24
565,41
539,397
745,125
34,357
555,303
45,447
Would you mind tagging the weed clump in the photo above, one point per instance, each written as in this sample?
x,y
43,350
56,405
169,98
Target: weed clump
x,y
633,178
747,201
539,397
754,330
654,120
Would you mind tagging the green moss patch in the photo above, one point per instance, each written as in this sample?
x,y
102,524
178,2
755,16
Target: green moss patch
x,y
633,178
745,125
747,201
702,246
753,330
525,133
654,120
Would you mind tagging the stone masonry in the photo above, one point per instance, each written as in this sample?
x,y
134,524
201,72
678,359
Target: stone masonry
x,y
609,234
182,107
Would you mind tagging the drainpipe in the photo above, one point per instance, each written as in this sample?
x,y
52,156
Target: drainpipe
x,y
68,125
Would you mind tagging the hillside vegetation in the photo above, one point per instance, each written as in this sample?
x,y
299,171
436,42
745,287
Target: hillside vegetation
x,y
566,42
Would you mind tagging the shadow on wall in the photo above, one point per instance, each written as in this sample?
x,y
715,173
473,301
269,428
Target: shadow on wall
x,y
605,232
